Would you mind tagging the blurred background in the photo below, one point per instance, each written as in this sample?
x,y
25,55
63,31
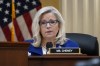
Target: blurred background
x,y
90,62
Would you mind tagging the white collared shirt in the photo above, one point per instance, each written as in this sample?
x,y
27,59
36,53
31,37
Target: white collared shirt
x,y
44,50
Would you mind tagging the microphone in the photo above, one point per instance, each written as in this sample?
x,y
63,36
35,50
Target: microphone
x,y
48,45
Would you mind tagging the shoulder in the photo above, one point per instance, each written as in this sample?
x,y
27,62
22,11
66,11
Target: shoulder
x,y
33,50
70,43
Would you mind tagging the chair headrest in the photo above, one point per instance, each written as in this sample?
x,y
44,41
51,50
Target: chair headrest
x,y
87,43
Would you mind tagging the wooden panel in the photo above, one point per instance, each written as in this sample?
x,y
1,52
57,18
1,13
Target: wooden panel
x,y
57,60
54,3
13,54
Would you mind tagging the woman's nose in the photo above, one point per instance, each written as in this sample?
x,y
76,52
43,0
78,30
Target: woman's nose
x,y
48,25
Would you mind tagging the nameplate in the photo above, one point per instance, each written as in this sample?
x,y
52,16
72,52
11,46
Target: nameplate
x,y
65,50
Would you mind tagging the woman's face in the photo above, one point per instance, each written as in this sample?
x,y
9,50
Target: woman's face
x,y
49,26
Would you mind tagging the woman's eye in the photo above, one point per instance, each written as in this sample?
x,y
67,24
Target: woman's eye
x,y
43,23
52,22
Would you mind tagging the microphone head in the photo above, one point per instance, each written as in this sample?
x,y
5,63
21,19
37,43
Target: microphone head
x,y
49,45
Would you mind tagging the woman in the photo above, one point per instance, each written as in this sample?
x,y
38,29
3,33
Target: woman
x,y
48,26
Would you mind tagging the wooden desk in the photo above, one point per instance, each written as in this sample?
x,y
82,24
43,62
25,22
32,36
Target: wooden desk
x,y
57,60
13,54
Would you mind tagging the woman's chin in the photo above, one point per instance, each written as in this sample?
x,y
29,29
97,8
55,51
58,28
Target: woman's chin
x,y
49,36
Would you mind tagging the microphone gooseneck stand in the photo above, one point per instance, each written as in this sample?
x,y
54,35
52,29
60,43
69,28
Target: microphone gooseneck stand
x,y
48,45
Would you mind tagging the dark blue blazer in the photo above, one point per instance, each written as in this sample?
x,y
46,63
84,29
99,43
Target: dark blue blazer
x,y
38,50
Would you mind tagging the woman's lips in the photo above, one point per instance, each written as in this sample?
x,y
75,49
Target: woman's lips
x,y
48,31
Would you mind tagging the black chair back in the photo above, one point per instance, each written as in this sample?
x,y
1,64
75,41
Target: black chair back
x,y
87,43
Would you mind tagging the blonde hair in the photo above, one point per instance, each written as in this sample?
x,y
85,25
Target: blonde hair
x,y
60,38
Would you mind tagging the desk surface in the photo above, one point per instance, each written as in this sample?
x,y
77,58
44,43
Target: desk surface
x,y
63,56
58,60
